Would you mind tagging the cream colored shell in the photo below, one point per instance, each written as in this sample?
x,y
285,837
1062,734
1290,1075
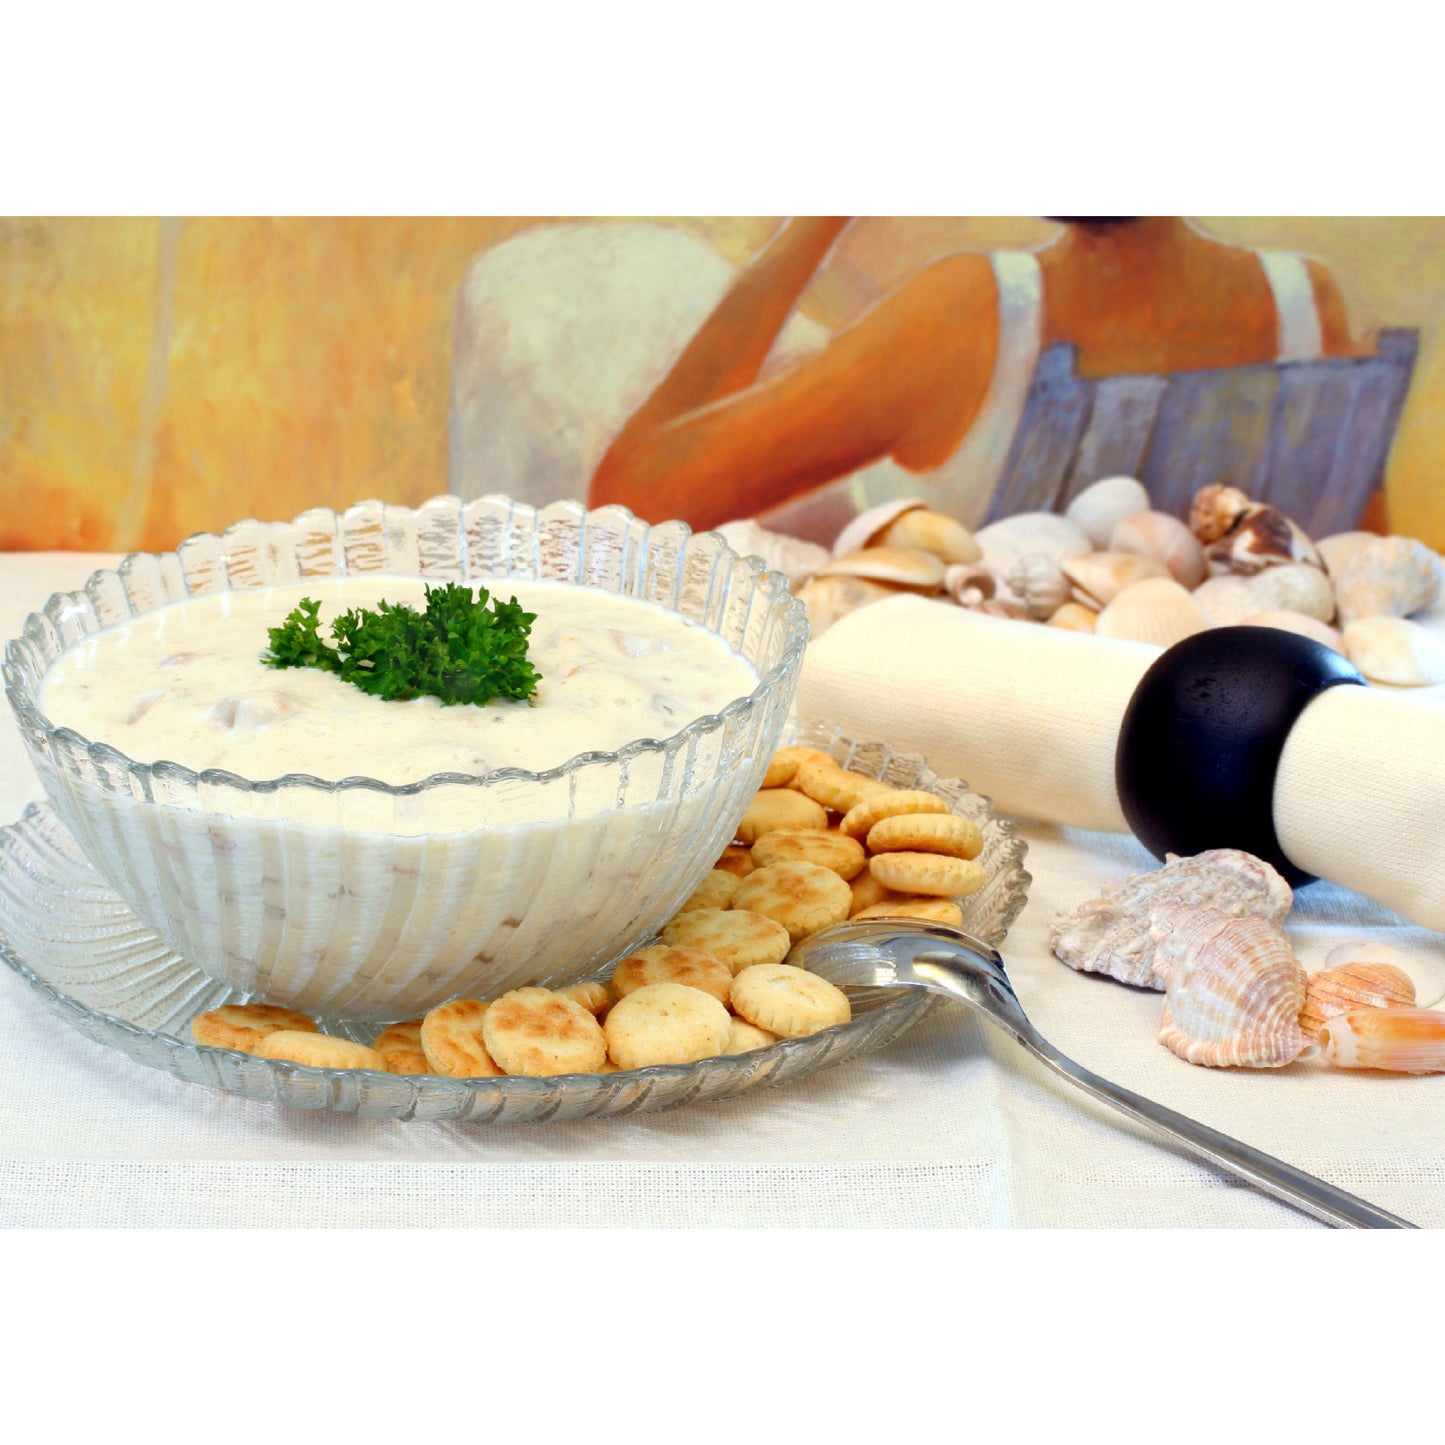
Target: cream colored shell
x,y
1164,538
1392,577
1335,991
796,559
1396,651
898,566
1099,577
1297,622
1039,583
1101,506
1428,977
1157,611
830,598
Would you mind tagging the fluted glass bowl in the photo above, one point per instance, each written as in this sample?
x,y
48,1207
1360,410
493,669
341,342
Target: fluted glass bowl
x,y
353,898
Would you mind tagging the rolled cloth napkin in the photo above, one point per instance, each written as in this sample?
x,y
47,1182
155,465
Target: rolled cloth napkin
x,y
1030,716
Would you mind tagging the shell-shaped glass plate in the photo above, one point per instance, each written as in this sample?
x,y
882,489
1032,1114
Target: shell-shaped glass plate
x,y
96,966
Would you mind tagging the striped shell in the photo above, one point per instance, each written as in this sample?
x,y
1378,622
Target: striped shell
x,y
1262,537
1039,583
1215,509
1157,610
1400,1040
1335,991
1234,996
1427,976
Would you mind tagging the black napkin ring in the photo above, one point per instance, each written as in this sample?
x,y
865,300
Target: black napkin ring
x,y
1202,736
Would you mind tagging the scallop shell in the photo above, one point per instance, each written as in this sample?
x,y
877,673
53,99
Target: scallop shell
x,y
1428,979
1111,933
1262,537
1401,1040
969,583
1335,991
796,559
1164,538
1304,625
1215,509
1099,577
1100,507
865,527
1392,577
1339,547
1039,583
931,531
1234,996
1157,610
1075,617
1395,650
899,566
829,598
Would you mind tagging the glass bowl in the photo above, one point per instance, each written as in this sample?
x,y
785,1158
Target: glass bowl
x,y
353,898
97,967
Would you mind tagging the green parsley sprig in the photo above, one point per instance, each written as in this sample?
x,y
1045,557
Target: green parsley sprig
x,y
458,649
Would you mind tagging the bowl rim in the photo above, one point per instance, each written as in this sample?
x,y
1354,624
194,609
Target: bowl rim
x,y
29,714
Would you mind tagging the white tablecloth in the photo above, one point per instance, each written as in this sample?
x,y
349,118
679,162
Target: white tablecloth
x,y
952,1126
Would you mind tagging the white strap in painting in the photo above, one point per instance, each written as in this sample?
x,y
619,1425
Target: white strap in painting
x,y
1301,337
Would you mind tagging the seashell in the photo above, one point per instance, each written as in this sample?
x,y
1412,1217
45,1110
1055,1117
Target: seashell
x,y
1164,538
1395,650
969,583
1299,622
865,527
796,559
1005,541
898,566
829,598
1100,507
1226,601
1074,617
1290,587
931,531
1335,991
1097,578
1392,577
1157,610
1337,549
1402,1040
1215,509
1039,583
1111,933
1002,607
1262,537
1234,996
1429,980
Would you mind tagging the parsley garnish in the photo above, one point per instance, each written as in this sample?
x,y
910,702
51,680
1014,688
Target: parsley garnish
x,y
456,650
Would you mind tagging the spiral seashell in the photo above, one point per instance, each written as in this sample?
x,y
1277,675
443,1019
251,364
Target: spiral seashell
x,y
1100,507
1262,537
1337,549
1039,583
1299,622
1428,979
1335,991
1098,577
830,598
1157,611
1396,651
796,559
969,583
931,531
1392,577
1215,509
898,566
1400,1040
1075,617
1115,932
1164,538
1233,998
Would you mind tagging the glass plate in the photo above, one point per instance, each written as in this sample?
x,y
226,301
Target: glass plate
x,y
65,932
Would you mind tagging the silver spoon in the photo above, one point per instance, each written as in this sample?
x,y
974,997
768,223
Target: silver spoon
x,y
912,953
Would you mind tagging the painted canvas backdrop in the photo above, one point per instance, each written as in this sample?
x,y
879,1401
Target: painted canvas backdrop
x,y
159,377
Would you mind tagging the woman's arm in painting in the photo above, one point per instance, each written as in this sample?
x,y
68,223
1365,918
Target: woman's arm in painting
x,y
906,379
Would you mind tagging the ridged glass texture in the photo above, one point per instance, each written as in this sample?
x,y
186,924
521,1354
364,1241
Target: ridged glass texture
x,y
64,930
357,899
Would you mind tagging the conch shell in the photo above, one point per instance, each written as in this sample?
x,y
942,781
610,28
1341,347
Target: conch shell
x,y
1215,510
1335,991
1039,583
1261,537
1392,577
1402,1040
1112,933
1234,997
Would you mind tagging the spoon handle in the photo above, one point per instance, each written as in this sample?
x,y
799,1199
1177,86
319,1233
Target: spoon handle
x,y
1324,1201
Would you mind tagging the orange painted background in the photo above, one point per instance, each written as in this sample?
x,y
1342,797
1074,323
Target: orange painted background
x,y
160,377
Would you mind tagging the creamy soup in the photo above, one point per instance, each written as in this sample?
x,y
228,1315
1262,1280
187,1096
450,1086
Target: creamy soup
x,y
355,902
186,684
